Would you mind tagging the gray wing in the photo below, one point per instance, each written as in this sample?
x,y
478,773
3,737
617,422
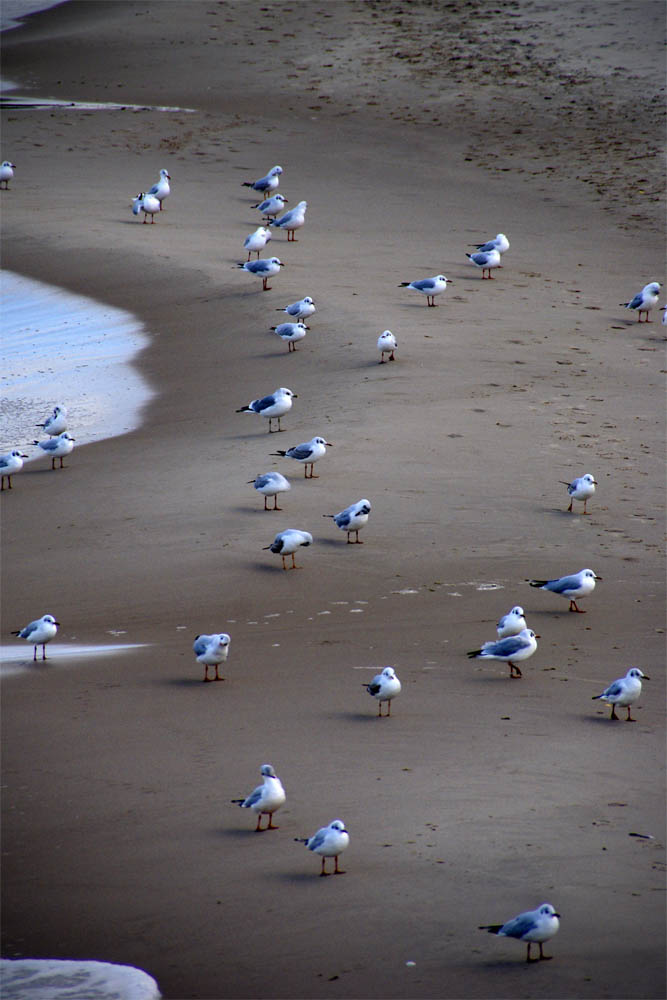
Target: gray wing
x,y
508,646
300,451
316,840
424,284
28,630
614,690
3,462
481,257
521,925
486,247
253,798
636,302
263,481
344,517
49,445
261,404
565,583
201,644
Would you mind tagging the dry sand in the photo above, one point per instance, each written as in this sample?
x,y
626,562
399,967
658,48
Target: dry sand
x,y
412,130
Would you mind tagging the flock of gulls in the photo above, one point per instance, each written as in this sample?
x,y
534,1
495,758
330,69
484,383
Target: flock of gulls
x,y
515,642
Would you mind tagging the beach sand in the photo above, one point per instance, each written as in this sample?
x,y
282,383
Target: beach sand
x,y
412,131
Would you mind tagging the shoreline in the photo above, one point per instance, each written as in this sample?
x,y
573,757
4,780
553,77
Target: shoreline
x,y
479,797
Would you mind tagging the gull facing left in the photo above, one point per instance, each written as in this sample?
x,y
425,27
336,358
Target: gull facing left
x,y
39,632
6,173
287,542
510,650
532,926
161,190
266,799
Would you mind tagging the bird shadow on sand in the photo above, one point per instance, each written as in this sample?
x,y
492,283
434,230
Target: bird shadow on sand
x,y
603,720
236,832
185,681
364,717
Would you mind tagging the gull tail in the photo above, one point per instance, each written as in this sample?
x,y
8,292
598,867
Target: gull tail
x,y
595,697
302,840
539,583
237,802
247,184
281,453
244,409
473,653
563,483
328,515
404,284
491,928
18,632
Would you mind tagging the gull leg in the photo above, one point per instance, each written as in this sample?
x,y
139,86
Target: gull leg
x,y
275,502
283,559
337,870
358,540
322,871
514,668
573,607
613,713
528,958
44,655
543,957
271,825
585,502
34,653
217,675
389,707
258,828
206,677
570,507
629,718
266,507
391,356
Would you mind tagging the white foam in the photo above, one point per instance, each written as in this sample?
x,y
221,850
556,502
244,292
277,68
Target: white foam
x,y
55,979
60,348
17,658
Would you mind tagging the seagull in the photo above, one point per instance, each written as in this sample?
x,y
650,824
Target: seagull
x,y
509,650
266,799
308,453
146,203
161,190
271,207
57,447
500,243
581,488
290,333
512,623
536,926
266,184
579,585
328,842
663,310
255,242
211,651
6,173
301,309
384,687
287,542
486,259
292,220
430,287
39,632
9,464
56,423
624,692
352,519
264,269
645,300
274,406
270,485
387,344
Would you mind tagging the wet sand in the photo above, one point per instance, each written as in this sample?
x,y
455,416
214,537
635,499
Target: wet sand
x,y
480,797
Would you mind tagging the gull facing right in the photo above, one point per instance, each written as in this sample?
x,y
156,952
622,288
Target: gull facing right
x,y
577,585
272,407
266,799
384,686
308,453
624,692
39,632
9,464
287,542
329,842
581,488
532,926
211,651
510,650
352,519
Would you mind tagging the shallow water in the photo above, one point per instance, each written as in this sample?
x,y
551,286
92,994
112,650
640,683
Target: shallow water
x,y
60,348
17,658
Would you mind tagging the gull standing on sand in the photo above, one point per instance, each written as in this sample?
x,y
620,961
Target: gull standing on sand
x,y
300,310
56,423
581,488
211,651
270,484
290,333
291,221
266,184
39,632
273,407
512,623
387,344
255,242
499,243
266,799
161,190
329,842
533,927
645,300
352,519
486,260
510,650
287,542
309,452
430,287
384,687
624,692
148,204
271,207
577,585
9,464
6,173
57,447
263,269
